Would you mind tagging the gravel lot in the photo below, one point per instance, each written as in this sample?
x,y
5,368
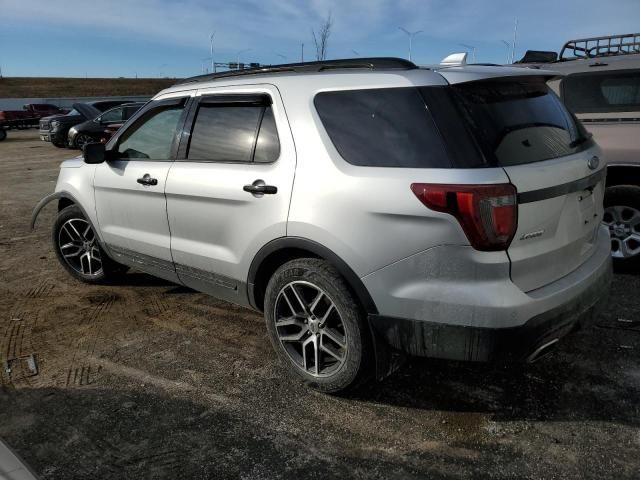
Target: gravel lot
x,y
152,380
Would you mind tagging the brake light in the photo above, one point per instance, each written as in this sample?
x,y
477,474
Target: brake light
x,y
488,214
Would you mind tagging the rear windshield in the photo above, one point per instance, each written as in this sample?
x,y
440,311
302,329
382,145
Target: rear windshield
x,y
518,121
478,124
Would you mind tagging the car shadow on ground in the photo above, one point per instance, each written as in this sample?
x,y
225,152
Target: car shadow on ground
x,y
117,434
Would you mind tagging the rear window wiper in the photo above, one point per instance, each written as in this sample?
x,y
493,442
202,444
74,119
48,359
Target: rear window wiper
x,y
580,140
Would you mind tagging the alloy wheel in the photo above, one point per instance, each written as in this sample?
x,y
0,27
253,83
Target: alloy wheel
x,y
78,246
624,227
82,140
310,329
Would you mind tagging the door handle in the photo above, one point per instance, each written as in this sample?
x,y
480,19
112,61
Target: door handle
x,y
147,180
259,188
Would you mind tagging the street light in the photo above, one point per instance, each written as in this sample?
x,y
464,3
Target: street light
x,y
241,52
213,63
410,35
473,51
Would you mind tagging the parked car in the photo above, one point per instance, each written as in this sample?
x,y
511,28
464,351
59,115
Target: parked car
x,y
101,128
29,116
55,128
601,86
452,212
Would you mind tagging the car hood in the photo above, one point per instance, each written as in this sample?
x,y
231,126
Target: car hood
x,y
76,162
88,111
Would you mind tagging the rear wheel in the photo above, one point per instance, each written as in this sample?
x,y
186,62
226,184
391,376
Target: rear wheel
x,y
78,250
3,134
316,326
622,216
59,144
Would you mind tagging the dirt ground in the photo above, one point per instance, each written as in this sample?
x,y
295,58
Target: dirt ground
x,y
152,380
30,87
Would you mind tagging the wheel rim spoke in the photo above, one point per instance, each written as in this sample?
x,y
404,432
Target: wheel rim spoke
x,y
624,226
312,333
79,250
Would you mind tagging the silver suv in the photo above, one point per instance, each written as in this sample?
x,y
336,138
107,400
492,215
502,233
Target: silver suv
x,y
368,207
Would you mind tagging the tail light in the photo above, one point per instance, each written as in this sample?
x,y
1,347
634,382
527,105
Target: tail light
x,y
488,214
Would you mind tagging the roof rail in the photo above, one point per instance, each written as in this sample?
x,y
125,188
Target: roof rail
x,y
606,46
373,63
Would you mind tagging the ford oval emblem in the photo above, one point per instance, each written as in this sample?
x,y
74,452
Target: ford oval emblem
x,y
593,163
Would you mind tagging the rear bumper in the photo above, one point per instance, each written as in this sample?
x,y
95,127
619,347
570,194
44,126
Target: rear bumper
x,y
549,314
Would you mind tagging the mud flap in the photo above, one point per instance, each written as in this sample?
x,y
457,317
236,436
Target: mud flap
x,y
387,359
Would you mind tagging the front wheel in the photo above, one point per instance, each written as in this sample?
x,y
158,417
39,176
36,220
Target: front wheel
x,y
622,216
82,139
316,326
3,134
78,251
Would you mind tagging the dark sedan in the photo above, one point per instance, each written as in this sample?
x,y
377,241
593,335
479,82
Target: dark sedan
x,y
55,128
101,128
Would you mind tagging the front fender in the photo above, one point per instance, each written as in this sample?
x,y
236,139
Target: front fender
x,y
41,204
57,195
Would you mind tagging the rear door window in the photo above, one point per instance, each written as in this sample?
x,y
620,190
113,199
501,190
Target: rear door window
x,y
602,92
232,132
517,121
385,127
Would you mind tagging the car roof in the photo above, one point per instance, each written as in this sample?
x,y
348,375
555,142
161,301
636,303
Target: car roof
x,y
351,74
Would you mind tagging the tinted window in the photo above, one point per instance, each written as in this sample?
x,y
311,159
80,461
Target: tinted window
x,y
268,144
608,91
387,127
114,115
519,121
129,111
153,135
228,133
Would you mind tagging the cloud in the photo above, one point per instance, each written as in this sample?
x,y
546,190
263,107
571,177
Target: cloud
x,y
358,23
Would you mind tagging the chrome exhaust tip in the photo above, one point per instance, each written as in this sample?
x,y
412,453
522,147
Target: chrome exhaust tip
x,y
542,350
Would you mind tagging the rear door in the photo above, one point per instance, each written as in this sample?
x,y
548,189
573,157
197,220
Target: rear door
x,y
523,127
228,193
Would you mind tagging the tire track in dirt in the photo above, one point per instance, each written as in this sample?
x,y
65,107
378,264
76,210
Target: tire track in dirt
x,y
83,370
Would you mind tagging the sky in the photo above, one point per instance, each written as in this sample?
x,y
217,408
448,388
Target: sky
x,y
158,38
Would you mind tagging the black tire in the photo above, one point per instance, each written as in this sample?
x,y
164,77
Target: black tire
x,y
59,144
3,134
81,140
623,196
64,228
357,353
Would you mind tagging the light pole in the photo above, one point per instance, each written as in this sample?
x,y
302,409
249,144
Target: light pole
x,y
302,52
241,52
410,35
515,39
213,63
473,51
508,45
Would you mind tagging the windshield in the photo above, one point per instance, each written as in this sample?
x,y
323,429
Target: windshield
x,y
519,121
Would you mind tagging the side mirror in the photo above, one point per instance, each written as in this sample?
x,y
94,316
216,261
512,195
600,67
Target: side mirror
x,y
94,153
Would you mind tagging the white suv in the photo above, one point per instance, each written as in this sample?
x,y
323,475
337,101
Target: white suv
x,y
368,207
